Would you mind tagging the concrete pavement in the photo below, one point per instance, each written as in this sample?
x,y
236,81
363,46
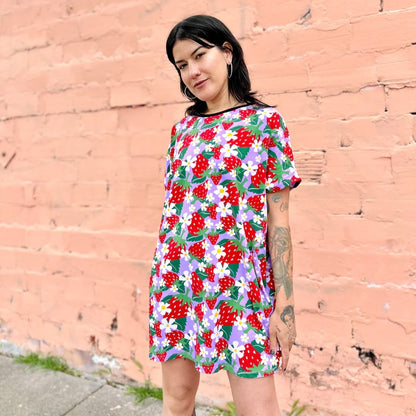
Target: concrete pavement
x,y
26,391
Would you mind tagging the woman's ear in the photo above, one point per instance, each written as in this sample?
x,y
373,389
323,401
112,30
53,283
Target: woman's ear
x,y
228,52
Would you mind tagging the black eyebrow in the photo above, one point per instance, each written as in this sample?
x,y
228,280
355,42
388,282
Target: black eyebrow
x,y
193,53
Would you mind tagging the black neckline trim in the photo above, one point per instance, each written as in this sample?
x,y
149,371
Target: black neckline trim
x,y
225,111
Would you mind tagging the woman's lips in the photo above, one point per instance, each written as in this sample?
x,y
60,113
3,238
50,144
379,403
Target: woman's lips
x,y
200,84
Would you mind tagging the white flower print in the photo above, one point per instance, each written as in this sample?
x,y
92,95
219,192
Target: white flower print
x,y
187,278
168,325
249,168
189,163
224,209
218,251
221,191
241,323
191,336
164,308
236,349
221,269
229,151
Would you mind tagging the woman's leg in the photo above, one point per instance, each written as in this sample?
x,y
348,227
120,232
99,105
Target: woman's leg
x,y
254,396
180,384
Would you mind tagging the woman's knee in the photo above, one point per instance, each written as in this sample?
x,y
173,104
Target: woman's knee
x,y
180,380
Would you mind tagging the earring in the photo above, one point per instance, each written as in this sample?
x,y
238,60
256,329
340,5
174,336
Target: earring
x,y
186,95
230,73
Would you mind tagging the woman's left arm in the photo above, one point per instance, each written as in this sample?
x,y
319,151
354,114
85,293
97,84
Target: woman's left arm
x,y
282,321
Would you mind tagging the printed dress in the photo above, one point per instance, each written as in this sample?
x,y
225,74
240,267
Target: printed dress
x,y
211,283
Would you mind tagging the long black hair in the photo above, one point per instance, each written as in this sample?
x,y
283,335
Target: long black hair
x,y
209,32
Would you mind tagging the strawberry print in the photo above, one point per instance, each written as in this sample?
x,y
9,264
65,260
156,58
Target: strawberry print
x,y
197,224
211,280
251,358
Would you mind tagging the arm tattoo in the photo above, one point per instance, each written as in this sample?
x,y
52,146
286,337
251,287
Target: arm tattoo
x,y
288,317
281,255
284,205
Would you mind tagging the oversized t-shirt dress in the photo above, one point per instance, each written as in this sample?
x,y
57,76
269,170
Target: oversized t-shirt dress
x,y
211,284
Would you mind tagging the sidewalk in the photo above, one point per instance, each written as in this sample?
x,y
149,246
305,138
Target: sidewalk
x,y
36,392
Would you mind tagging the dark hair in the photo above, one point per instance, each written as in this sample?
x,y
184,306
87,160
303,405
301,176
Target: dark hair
x,y
203,29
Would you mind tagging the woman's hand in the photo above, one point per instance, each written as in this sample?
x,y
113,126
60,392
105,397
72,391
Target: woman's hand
x,y
282,333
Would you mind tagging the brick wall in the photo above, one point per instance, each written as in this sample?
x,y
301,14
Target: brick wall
x,y
87,100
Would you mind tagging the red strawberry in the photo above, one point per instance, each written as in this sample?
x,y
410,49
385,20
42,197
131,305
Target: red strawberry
x,y
267,142
227,315
197,284
216,178
268,312
176,164
161,356
199,312
217,152
256,202
213,238
247,113
186,141
226,125
231,162
233,252
197,224
233,194
191,121
286,132
225,283
207,337
200,191
172,221
211,119
263,267
212,209
287,150
174,250
211,274
259,177
197,250
221,345
174,337
208,368
208,135
249,231
158,296
274,121
254,293
254,321
228,222
179,308
162,237
245,138
251,358
158,330
170,278
201,165
211,302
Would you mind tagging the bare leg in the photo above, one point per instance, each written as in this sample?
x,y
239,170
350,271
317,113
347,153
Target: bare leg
x,y
254,397
180,384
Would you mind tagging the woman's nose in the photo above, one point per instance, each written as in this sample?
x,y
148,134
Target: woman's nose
x,y
194,69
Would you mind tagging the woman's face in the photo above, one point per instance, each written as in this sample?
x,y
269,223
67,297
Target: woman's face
x,y
203,70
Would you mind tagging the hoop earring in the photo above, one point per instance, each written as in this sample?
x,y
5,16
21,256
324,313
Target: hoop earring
x,y
186,95
230,73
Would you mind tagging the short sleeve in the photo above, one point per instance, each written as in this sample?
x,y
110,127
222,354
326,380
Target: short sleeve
x,y
281,169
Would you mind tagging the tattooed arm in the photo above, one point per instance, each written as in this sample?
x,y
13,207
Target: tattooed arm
x,y
282,321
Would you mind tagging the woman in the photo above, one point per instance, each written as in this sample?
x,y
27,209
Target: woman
x,y
221,292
